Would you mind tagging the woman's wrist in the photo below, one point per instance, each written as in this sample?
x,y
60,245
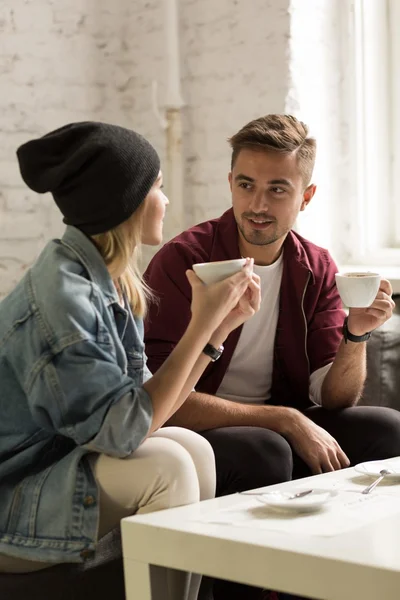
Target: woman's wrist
x,y
218,337
199,332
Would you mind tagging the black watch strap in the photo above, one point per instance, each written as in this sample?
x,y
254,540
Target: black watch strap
x,y
212,352
354,338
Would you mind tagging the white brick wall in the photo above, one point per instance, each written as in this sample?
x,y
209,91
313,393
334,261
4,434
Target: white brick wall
x,y
235,68
93,59
63,61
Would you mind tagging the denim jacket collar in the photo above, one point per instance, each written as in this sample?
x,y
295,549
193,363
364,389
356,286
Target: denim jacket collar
x,y
91,258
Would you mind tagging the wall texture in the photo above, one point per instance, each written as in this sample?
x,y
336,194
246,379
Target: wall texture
x,y
63,61
70,60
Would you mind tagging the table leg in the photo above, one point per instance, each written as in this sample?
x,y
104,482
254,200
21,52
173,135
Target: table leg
x,y
144,581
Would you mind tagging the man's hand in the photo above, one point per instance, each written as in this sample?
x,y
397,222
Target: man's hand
x,y
363,320
315,446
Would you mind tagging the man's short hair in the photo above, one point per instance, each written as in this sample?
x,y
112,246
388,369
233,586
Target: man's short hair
x,y
278,133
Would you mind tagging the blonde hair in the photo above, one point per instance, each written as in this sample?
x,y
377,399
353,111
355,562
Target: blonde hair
x,y
120,248
278,133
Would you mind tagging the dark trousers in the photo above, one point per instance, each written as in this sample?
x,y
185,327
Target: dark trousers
x,y
252,457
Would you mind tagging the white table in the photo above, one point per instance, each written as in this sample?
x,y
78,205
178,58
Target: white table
x,y
360,564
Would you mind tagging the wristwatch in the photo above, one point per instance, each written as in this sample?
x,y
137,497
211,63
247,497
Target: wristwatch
x,y
354,338
212,352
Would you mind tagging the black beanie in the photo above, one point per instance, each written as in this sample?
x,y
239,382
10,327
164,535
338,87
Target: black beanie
x,y
99,174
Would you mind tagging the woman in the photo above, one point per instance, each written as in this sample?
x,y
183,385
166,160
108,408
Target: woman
x,y
80,439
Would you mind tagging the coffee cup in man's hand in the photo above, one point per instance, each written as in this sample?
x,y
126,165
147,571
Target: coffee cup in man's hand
x,y
358,290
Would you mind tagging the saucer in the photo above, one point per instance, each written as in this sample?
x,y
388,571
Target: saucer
x,y
372,468
283,501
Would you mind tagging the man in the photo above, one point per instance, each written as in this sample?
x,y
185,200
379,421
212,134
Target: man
x,y
280,401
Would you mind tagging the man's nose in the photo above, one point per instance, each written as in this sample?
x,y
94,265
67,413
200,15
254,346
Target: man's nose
x,y
258,202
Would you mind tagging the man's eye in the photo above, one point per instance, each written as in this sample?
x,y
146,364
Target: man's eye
x,y
278,190
244,185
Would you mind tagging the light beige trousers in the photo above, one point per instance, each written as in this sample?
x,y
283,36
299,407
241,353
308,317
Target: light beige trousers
x,y
173,467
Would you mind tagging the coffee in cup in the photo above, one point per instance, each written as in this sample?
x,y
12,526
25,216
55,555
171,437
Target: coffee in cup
x,y
358,289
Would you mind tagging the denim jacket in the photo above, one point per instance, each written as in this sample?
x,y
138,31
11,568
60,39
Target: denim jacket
x,y
72,365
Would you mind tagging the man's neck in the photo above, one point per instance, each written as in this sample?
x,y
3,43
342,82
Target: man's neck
x,y
263,255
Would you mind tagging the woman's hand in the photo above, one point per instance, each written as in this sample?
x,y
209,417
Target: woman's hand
x,y
237,297
247,306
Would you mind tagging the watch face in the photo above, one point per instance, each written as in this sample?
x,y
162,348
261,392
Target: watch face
x,y
213,352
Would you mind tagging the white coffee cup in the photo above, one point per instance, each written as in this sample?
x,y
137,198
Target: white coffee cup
x,y
358,289
212,272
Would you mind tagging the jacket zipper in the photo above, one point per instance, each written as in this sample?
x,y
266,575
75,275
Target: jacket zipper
x,y
305,321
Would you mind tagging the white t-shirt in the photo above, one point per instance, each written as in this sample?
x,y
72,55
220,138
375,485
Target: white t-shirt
x,y
248,378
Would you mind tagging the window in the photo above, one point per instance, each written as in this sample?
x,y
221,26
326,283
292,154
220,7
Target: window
x,y
373,81
394,23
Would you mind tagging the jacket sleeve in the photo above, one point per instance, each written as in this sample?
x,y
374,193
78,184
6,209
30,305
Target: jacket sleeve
x,y
79,390
325,326
169,313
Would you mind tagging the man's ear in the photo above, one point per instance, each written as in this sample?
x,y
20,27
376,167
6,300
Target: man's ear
x,y
230,179
308,195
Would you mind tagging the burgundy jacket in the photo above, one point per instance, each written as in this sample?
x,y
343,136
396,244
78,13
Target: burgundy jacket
x,y
310,311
